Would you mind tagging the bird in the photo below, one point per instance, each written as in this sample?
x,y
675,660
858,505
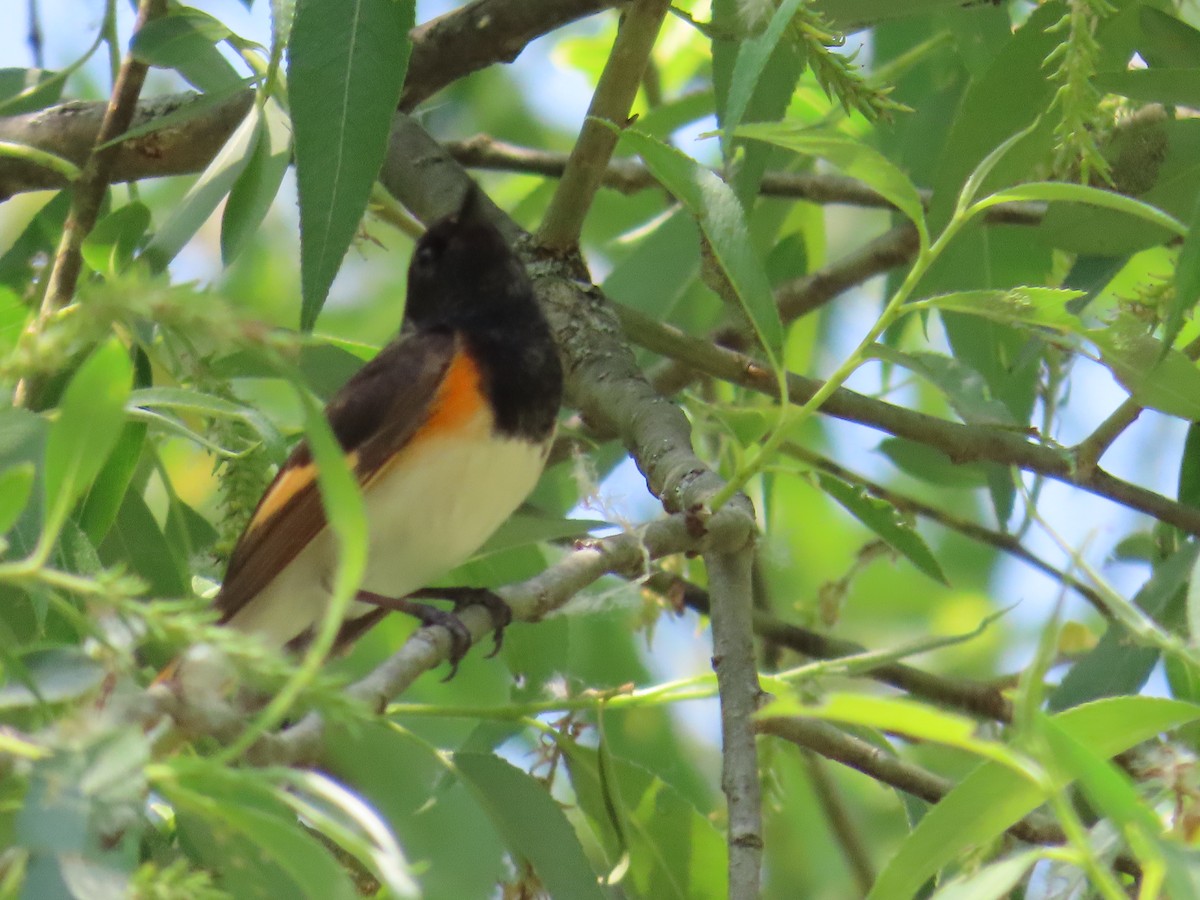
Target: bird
x,y
447,430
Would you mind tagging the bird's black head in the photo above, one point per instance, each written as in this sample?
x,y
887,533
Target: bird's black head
x,y
463,271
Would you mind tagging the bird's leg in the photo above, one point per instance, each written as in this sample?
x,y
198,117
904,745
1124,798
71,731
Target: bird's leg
x,y
460,637
463,597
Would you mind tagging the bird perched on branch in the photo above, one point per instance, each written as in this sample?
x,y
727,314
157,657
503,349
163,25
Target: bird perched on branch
x,y
446,430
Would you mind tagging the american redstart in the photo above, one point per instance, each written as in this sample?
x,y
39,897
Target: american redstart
x,y
446,430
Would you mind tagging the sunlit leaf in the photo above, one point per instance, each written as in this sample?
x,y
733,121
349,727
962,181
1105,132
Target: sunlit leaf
x,y
346,65
723,222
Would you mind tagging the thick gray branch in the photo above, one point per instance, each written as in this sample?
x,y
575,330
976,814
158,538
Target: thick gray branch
x,y
444,50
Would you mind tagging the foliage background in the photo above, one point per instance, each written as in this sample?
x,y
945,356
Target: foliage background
x,y
118,506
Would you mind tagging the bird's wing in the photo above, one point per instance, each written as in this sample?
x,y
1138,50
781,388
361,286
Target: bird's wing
x,y
373,416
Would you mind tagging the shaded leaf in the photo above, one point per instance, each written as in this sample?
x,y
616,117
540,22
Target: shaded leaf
x,y
993,797
530,823
853,157
885,521
723,222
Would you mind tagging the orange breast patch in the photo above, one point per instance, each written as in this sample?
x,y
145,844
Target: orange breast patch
x,y
458,399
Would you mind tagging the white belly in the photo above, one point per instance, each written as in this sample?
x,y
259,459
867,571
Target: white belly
x,y
425,517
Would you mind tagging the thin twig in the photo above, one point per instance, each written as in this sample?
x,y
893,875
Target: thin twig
x,y
977,698
1005,542
834,744
849,837
607,114
630,177
530,601
1088,451
471,37
737,682
88,194
805,295
959,443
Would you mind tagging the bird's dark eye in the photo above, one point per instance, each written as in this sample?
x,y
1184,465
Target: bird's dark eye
x,y
430,249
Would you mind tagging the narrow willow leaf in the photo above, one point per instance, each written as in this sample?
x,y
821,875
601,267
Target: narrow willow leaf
x,y
1155,376
853,157
185,40
255,188
16,484
994,881
1061,192
1023,306
530,823
993,797
1176,87
723,222
883,519
346,65
208,191
753,55
90,420
1187,278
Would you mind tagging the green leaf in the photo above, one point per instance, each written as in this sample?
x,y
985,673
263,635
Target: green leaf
x,y
1006,99
252,827
28,90
185,40
255,188
53,676
531,823
208,191
1116,665
932,465
1157,161
346,65
533,527
993,797
137,541
109,246
1043,307
1187,279
1109,789
1175,87
16,484
723,222
964,388
995,881
208,405
1061,192
752,57
900,716
105,495
1165,41
883,519
671,848
853,157
90,420
1189,468
1155,377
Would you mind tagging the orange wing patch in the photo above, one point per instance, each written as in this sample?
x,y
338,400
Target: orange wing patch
x,y
289,483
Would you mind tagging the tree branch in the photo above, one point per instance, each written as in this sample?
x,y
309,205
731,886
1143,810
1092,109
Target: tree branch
x,y
837,745
960,443
608,112
444,50
849,838
1005,542
88,192
978,698
737,682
